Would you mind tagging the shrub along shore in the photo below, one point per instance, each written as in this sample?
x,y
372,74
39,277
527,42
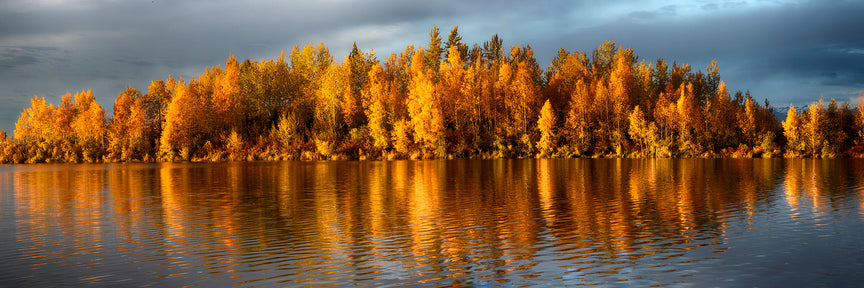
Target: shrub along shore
x,y
444,100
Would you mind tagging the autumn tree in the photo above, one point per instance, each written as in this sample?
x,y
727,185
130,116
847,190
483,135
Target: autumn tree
x,y
255,109
859,119
453,90
814,128
546,124
561,77
35,123
747,121
358,65
328,102
288,130
621,88
156,104
433,51
455,40
267,91
187,122
65,114
424,105
602,60
580,118
602,108
308,67
397,69
479,101
35,130
838,125
690,118
276,93
520,94
375,93
720,117
792,132
402,136
493,49
644,133
661,78
712,80
643,86
227,98
70,132
676,76
128,127
90,126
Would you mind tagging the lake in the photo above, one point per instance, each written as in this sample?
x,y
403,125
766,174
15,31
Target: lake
x,y
474,223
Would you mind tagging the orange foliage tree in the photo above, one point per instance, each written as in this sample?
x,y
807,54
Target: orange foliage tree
x,y
448,99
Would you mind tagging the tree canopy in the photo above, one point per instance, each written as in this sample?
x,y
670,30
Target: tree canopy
x,y
448,99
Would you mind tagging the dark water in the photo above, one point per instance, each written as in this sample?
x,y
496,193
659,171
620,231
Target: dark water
x,y
501,223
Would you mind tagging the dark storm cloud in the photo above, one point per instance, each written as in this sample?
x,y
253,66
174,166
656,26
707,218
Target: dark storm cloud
x,y
812,46
791,52
106,45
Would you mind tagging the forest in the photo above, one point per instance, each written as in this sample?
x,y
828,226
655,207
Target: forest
x,y
444,100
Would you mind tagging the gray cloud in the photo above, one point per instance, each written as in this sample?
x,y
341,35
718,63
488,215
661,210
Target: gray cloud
x,y
668,10
710,6
811,46
12,57
788,53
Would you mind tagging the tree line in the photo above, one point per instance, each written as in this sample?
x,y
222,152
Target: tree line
x,y
444,100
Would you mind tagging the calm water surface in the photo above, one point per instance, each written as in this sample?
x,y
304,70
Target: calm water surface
x,y
491,223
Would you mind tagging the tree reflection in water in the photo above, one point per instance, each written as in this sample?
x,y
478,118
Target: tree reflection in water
x,y
524,222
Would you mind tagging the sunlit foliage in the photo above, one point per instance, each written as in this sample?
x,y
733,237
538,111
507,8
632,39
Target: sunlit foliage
x,y
546,125
447,99
424,106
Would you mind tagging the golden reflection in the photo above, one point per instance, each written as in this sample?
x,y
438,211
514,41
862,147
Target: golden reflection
x,y
326,206
6,185
58,204
792,183
172,179
546,187
229,222
633,202
377,183
858,185
288,187
423,205
814,185
684,198
419,218
133,191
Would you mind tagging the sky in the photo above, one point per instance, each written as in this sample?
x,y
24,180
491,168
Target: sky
x,y
789,52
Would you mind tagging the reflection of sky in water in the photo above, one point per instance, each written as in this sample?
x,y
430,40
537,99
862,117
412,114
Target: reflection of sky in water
x,y
481,223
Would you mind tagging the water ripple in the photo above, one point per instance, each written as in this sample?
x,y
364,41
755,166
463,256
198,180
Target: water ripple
x,y
385,224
